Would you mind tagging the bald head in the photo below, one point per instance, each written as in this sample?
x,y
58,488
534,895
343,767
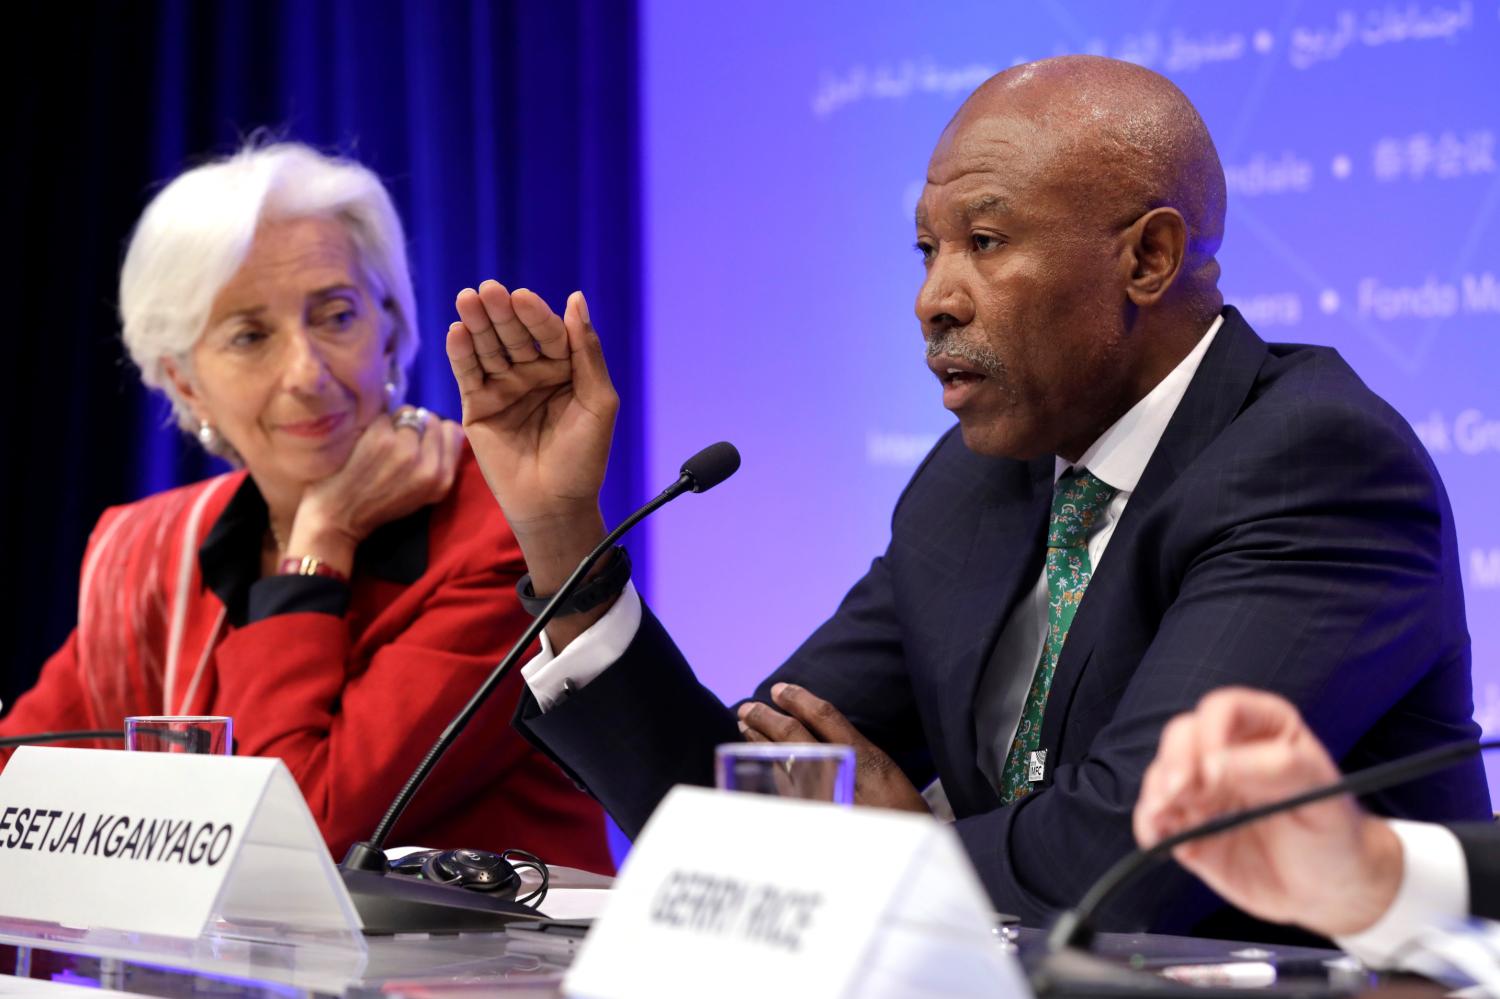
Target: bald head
x,y
1122,137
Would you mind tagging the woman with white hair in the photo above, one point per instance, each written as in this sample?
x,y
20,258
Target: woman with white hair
x,y
344,592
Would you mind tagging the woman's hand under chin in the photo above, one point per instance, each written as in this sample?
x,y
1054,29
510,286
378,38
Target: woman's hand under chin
x,y
390,473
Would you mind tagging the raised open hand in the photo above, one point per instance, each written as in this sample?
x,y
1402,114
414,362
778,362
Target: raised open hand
x,y
538,406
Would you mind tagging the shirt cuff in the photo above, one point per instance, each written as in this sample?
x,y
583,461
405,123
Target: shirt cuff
x,y
552,677
292,594
1434,891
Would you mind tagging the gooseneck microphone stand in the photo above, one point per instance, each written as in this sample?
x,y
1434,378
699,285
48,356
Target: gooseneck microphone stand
x,y
395,904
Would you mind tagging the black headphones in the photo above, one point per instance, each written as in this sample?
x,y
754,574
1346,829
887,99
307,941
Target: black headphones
x,y
476,870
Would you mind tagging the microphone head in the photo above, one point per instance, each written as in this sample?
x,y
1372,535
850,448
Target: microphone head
x,y
711,466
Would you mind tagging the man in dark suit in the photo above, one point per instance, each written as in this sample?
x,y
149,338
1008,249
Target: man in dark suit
x,y
1376,885
1142,501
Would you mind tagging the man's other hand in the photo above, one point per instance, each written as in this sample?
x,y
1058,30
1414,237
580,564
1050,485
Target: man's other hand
x,y
808,718
1328,866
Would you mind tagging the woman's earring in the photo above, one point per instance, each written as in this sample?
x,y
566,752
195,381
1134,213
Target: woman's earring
x,y
392,376
207,435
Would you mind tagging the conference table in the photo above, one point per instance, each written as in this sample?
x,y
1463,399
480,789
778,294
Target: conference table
x,y
527,965
471,966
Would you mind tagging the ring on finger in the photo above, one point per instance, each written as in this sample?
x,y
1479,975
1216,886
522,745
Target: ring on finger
x,y
413,419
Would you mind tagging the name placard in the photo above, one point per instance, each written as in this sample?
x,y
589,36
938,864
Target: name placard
x,y
748,895
166,844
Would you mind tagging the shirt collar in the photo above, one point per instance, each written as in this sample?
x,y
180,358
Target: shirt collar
x,y
229,557
1119,456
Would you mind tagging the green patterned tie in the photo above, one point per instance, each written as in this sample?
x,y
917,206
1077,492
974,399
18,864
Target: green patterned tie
x,y
1077,503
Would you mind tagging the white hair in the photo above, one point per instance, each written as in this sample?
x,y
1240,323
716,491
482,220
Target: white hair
x,y
196,232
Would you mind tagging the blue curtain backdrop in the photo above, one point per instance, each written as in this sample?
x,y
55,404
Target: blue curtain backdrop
x,y
507,133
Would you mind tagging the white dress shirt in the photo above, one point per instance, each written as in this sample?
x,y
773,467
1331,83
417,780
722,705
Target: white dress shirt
x,y
551,677
1434,893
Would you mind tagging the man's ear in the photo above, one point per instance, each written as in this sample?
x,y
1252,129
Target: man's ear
x,y
186,389
1156,245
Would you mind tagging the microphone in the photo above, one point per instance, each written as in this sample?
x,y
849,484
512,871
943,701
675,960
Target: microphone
x,y
1073,928
710,466
402,905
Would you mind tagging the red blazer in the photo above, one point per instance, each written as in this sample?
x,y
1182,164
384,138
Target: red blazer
x,y
350,703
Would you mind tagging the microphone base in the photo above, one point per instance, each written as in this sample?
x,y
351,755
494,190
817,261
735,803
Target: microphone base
x,y
1074,974
389,904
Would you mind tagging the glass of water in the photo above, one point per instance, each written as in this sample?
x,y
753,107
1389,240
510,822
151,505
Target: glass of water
x,y
816,771
210,734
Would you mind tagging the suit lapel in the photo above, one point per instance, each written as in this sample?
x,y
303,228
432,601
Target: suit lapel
x,y
1003,562
1212,400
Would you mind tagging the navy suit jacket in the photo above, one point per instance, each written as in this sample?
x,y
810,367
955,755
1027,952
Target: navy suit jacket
x,y
1289,533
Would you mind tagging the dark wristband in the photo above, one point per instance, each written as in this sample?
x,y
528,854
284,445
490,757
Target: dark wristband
x,y
601,589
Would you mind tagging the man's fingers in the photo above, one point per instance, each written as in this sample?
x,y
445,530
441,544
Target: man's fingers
x,y
822,718
1152,825
772,724
485,338
551,333
1198,856
1236,715
1238,748
464,361
1157,814
500,306
539,321
485,393
1263,772
1147,820
1253,744
1177,756
1230,780
591,374
1170,780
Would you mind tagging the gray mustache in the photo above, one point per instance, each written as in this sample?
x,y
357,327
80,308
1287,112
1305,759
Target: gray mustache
x,y
952,343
